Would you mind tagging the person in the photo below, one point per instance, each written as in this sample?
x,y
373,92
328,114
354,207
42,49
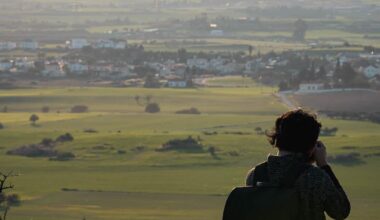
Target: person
x,y
296,136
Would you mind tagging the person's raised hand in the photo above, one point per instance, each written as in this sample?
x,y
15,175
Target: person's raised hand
x,y
320,154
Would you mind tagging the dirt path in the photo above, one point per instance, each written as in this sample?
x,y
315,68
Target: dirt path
x,y
285,100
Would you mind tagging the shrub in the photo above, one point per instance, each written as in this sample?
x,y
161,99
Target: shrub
x,y
152,108
233,153
121,152
47,142
212,151
329,131
259,131
186,145
346,159
45,109
1,126
44,149
33,150
139,149
79,109
209,133
90,130
13,200
65,138
194,111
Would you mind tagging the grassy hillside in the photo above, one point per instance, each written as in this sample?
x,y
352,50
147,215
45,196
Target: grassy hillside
x,y
110,179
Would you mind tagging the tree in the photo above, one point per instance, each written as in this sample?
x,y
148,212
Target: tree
x,y
212,151
148,98
348,74
137,99
250,50
151,82
300,30
182,55
152,108
7,201
33,118
321,74
283,86
259,130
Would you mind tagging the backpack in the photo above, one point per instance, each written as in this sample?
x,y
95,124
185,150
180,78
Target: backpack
x,y
265,200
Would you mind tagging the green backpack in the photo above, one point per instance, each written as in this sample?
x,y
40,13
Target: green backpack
x,y
265,201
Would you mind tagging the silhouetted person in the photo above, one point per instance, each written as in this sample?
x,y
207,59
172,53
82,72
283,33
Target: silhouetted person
x,y
289,186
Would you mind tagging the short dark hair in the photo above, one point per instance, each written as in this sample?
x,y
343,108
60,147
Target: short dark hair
x,y
295,131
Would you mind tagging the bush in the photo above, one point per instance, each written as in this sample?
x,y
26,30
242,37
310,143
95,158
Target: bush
x,y
33,150
47,142
65,138
259,131
90,130
1,126
152,108
209,133
45,109
329,131
194,111
121,152
79,109
348,159
186,145
139,149
44,149
212,151
13,200
233,153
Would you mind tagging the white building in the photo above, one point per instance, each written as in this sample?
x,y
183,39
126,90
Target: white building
x,y
371,71
177,83
101,69
215,63
24,65
112,43
78,68
230,68
29,45
217,33
311,87
6,65
78,43
179,69
198,63
8,45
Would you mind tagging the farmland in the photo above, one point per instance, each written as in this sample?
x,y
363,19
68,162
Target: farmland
x,y
344,101
110,179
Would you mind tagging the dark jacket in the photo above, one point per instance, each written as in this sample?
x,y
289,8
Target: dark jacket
x,y
318,188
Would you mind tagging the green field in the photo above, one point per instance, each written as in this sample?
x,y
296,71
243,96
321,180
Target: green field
x,y
151,185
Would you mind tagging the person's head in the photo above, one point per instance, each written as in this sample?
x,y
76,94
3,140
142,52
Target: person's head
x,y
295,131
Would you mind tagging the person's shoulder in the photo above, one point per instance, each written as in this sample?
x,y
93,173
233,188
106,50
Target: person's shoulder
x,y
314,176
251,172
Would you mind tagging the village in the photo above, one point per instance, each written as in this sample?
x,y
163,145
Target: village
x,y
290,70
